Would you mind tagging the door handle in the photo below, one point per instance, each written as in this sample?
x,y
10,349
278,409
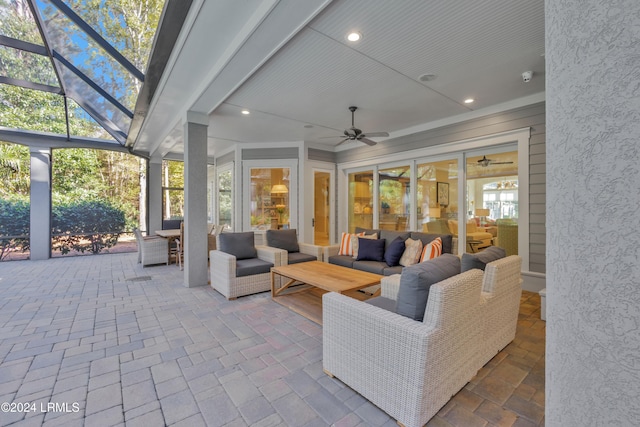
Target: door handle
x,y
313,222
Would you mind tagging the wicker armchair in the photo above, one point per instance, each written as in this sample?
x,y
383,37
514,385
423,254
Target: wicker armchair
x,y
411,369
228,273
152,249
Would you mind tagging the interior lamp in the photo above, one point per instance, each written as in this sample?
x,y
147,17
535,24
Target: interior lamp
x,y
279,189
434,212
482,214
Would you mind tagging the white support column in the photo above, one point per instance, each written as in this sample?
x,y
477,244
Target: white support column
x,y
154,184
593,227
40,227
195,199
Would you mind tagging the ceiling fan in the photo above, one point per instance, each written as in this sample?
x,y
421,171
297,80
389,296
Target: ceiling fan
x,y
355,134
484,162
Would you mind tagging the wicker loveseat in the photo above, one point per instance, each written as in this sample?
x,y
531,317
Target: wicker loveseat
x,y
410,369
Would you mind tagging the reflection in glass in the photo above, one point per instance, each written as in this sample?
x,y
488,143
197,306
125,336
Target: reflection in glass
x,y
84,53
269,198
360,200
438,213
225,188
111,117
492,202
394,193
19,23
22,65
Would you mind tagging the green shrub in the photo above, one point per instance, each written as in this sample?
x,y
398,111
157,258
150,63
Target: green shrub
x,y
14,226
96,221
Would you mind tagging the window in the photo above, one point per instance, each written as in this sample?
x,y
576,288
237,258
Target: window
x,y
225,200
437,184
492,201
395,206
360,200
270,203
172,189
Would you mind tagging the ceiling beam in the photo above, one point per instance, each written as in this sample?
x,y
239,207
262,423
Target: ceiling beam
x,y
23,45
31,85
49,140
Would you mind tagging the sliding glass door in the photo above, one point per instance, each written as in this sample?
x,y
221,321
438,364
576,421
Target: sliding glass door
x,y
492,201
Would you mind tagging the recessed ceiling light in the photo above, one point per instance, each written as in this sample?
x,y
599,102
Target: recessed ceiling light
x,y
245,112
354,36
468,100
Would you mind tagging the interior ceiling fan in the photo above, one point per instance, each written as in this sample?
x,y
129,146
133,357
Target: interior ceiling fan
x,y
355,134
484,162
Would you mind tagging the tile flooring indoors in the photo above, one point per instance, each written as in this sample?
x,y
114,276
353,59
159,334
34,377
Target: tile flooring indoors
x,y
101,341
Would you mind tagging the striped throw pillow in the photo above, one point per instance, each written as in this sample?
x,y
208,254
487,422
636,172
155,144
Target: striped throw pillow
x,y
345,243
431,250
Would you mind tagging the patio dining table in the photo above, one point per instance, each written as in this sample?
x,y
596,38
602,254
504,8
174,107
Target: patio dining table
x,y
171,235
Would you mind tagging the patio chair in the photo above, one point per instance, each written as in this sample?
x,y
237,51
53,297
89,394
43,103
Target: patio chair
x,y
152,249
239,268
296,251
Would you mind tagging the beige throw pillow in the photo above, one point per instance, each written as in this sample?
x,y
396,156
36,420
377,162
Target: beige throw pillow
x,y
354,242
412,252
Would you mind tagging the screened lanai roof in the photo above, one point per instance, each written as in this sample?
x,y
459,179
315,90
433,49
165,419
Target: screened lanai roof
x,y
74,67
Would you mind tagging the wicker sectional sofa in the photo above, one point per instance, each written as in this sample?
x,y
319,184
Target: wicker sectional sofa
x,y
380,267
410,369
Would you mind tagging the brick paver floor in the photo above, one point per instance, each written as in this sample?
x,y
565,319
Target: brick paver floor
x,y
101,341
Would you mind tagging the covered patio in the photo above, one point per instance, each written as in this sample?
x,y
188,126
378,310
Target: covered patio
x,y
112,342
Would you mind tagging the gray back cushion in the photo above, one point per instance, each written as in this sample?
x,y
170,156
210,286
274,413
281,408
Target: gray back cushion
x,y
391,235
368,231
283,239
238,244
481,259
425,238
416,280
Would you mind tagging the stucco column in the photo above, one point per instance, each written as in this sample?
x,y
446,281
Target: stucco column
x,y
40,196
154,184
593,226
195,199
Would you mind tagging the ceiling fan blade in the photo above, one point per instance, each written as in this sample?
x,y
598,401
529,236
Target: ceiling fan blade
x,y
501,163
334,136
377,134
367,141
342,142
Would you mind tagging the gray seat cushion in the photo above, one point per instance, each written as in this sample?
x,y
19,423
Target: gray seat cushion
x,y
389,271
425,238
252,266
296,257
382,302
283,239
376,267
240,245
416,280
343,260
481,259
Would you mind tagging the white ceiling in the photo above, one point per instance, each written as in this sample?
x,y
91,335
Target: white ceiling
x,y
289,63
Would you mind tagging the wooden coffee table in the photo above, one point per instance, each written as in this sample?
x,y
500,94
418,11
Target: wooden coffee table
x,y
314,278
